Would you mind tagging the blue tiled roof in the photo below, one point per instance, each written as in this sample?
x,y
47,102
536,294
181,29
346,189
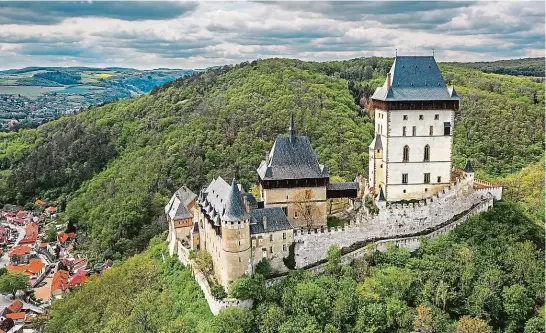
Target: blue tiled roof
x,y
415,78
275,219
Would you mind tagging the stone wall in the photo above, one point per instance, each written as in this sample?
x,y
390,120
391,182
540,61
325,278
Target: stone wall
x,y
215,305
393,221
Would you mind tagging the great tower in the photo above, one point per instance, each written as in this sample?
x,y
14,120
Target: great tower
x,y
411,154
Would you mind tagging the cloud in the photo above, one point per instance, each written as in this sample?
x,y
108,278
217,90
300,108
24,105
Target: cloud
x,y
183,34
45,12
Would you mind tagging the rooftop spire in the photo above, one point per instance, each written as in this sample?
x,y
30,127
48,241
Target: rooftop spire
x,y
234,208
291,129
381,195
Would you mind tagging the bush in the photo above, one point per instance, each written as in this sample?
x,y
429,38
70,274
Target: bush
x,y
218,291
263,268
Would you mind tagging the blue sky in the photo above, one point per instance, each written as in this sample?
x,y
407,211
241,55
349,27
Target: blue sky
x,y
200,34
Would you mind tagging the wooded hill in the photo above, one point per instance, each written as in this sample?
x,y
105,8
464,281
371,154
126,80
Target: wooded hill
x,y
113,168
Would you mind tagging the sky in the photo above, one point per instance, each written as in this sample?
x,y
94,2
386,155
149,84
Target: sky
x,y
158,34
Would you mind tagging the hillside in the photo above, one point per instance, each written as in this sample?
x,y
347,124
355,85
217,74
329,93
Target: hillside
x,y
113,167
34,95
526,67
486,274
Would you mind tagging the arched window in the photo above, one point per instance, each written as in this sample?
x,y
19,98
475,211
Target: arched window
x,y
427,153
405,156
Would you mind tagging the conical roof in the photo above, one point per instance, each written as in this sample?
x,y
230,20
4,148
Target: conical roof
x,y
234,207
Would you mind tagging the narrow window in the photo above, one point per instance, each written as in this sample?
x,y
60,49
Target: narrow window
x,y
427,178
427,153
431,130
271,249
436,117
271,237
439,179
405,156
414,131
404,178
447,129
404,131
284,235
420,117
284,247
405,117
404,191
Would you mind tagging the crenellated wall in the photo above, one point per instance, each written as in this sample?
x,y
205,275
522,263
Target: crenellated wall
x,y
392,221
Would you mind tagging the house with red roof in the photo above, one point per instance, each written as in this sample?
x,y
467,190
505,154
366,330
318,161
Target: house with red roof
x,y
19,254
40,203
78,279
14,307
18,317
31,234
59,284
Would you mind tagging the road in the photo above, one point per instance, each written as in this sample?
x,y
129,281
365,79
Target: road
x,y
4,260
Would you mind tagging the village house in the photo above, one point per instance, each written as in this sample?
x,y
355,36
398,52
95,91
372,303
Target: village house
x,y
59,284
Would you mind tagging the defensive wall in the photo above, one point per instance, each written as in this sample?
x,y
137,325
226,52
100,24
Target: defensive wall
x,y
215,305
393,221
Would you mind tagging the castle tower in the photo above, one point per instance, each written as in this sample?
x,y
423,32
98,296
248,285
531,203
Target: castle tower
x,y
235,233
292,178
414,114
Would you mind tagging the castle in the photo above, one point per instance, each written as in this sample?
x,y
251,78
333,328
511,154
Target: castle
x,y
416,189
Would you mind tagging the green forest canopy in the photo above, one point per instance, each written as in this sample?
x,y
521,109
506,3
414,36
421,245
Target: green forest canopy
x,y
117,164
487,273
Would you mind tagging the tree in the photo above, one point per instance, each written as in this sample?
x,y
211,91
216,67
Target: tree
x,y
305,209
263,268
13,282
333,260
469,324
247,287
422,323
203,261
270,318
232,320
517,304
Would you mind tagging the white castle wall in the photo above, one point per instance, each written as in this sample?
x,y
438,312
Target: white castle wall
x,y
215,305
394,221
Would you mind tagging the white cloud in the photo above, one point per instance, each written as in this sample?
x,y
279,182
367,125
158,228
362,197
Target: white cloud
x,y
216,33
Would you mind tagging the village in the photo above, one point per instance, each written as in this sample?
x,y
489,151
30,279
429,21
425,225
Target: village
x,y
35,245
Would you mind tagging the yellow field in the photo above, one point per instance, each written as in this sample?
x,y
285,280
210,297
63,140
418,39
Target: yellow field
x,y
103,75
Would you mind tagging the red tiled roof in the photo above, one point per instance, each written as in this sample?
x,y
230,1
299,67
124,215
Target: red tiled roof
x,y
16,316
35,266
40,202
16,268
62,237
78,279
51,209
19,250
60,281
15,306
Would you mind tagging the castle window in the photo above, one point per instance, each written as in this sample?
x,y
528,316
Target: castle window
x,y
253,243
271,249
284,235
427,178
439,179
404,191
431,131
414,131
284,247
447,128
405,117
381,166
427,153
271,237
420,117
239,259
405,154
286,197
426,189
404,131
436,117
404,178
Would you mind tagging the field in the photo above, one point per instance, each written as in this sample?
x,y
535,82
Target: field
x,y
103,75
31,92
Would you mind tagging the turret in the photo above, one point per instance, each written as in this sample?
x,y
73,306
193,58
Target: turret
x,y
381,202
469,170
235,224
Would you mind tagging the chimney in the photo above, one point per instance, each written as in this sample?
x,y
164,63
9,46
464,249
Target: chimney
x,y
389,80
265,222
245,202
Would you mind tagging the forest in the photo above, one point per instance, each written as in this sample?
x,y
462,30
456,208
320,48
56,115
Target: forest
x,y
487,275
113,167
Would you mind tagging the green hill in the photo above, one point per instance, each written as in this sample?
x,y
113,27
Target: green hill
x,y
113,167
